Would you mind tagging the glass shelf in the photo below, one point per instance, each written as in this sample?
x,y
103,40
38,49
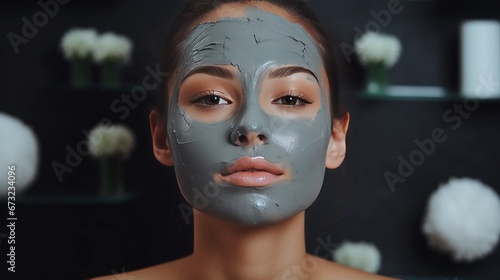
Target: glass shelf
x,y
82,199
420,93
93,88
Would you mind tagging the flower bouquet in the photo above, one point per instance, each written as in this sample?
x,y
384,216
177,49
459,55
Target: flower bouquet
x,y
77,46
377,52
111,145
111,51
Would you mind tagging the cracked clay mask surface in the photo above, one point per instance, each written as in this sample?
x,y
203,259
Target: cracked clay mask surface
x,y
253,44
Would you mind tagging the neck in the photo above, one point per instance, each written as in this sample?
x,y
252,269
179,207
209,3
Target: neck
x,y
227,251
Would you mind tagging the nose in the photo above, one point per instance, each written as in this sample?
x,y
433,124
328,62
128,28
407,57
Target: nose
x,y
251,125
249,138
249,133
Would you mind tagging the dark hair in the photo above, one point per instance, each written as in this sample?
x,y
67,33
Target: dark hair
x,y
194,10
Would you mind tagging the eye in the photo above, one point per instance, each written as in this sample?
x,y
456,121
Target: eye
x,y
210,98
292,98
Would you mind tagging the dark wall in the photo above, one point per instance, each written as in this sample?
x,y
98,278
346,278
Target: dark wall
x,y
64,240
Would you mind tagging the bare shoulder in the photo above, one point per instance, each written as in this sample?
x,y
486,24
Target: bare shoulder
x,y
332,271
168,270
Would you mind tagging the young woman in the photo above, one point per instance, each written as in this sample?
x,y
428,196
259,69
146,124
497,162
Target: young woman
x,y
249,120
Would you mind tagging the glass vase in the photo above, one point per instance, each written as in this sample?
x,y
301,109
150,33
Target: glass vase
x,y
110,74
112,181
80,73
377,79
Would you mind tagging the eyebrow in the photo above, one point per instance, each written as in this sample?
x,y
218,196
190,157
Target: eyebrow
x,y
212,71
286,71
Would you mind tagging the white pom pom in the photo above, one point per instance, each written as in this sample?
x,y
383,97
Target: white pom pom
x,y
18,147
463,219
358,255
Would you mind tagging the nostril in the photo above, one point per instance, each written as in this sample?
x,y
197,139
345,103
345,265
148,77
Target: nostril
x,y
251,138
242,139
262,138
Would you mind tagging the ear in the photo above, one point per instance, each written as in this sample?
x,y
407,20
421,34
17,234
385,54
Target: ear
x,y
161,148
336,147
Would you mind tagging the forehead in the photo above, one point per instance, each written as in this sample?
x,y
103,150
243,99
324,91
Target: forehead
x,y
237,10
252,41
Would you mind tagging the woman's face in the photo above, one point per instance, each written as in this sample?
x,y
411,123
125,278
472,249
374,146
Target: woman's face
x,y
249,123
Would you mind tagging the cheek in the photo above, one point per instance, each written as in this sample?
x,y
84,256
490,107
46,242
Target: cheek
x,y
301,139
184,130
287,140
198,150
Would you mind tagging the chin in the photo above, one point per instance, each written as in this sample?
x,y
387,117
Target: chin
x,y
254,209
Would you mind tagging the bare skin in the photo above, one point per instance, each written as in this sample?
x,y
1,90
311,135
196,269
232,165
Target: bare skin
x,y
228,251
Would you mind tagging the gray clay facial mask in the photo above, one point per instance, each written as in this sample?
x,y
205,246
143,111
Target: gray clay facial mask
x,y
206,151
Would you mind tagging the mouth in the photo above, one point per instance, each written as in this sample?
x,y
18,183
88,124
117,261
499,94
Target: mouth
x,y
251,172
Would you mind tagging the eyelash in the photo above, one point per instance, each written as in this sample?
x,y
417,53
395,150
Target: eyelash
x,y
197,100
301,98
296,94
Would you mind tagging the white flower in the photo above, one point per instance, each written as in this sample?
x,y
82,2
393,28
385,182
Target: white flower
x,y
111,140
360,255
78,43
374,47
112,47
19,147
463,219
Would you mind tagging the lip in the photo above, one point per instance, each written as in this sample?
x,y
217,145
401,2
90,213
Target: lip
x,y
251,172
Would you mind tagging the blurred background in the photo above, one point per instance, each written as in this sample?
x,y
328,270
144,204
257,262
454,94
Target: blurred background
x,y
66,230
